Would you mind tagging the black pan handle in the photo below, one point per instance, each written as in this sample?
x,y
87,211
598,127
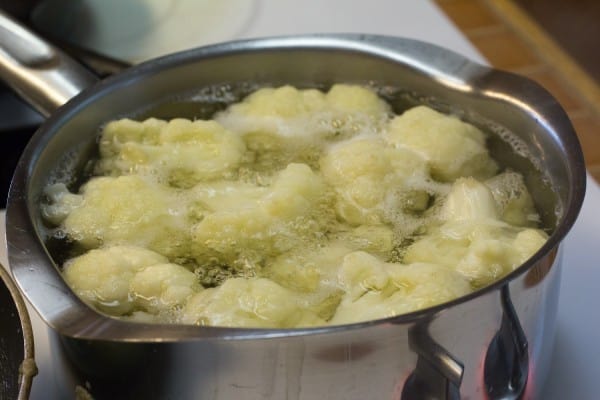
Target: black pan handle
x,y
42,74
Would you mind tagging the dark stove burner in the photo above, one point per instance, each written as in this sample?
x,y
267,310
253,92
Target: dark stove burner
x,y
12,146
18,122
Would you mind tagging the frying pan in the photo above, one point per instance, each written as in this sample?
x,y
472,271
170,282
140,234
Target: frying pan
x,y
497,340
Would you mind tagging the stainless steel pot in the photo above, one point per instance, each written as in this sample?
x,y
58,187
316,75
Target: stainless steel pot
x,y
495,342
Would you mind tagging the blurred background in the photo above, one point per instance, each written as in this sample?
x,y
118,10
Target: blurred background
x,y
555,42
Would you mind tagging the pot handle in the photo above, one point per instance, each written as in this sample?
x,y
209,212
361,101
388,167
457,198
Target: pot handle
x,y
506,366
40,73
438,374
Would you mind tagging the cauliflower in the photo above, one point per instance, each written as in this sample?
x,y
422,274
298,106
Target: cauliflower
x,y
272,114
130,280
181,152
161,287
293,208
102,277
223,196
452,148
469,200
374,239
277,112
61,203
472,239
127,210
513,199
528,242
361,272
374,289
312,273
248,303
117,133
366,174
290,211
356,101
285,102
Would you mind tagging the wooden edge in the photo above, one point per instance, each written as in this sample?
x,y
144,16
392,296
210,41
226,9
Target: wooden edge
x,y
548,50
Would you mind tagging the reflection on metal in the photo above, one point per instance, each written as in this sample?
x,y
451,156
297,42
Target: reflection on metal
x,y
507,359
40,73
438,373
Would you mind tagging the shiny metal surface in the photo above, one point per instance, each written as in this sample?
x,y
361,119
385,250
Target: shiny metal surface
x,y
39,72
506,367
365,360
437,374
17,365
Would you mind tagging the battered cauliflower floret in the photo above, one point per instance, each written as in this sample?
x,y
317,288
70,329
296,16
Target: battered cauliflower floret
x,y
472,239
312,273
513,199
61,203
161,287
294,208
374,239
284,102
131,210
224,196
469,200
362,272
357,100
367,175
494,253
117,133
180,152
528,242
287,112
283,111
452,148
102,277
375,289
130,280
248,303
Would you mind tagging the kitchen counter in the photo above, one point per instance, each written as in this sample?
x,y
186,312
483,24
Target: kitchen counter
x,y
575,366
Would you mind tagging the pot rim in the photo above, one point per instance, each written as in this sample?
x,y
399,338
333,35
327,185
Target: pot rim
x,y
63,311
